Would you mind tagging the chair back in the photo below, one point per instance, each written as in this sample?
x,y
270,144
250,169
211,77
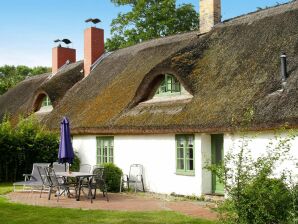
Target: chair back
x,y
51,177
42,172
96,166
99,173
35,174
85,168
58,167
135,171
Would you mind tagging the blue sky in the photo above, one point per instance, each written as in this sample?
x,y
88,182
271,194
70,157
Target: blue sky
x,y
28,27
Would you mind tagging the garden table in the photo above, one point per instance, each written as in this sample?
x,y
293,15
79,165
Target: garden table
x,y
79,176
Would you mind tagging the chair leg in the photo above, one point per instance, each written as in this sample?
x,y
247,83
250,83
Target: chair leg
x,y
49,194
143,184
58,194
41,192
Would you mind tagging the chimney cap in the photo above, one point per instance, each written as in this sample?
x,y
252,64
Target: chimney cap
x,y
65,40
93,20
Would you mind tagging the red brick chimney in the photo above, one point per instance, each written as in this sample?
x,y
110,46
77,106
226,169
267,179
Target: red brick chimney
x,y
60,55
93,47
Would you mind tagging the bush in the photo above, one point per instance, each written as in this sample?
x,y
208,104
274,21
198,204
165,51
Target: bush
x,y
265,200
112,175
75,166
254,196
23,145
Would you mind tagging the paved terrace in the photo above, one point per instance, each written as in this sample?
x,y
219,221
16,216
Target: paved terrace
x,y
119,202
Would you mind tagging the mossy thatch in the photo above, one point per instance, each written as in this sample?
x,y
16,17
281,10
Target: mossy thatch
x,y
22,100
232,73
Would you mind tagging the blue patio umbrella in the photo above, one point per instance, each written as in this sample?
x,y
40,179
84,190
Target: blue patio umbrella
x,y
65,154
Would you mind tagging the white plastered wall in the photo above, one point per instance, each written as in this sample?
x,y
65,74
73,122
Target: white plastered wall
x,y
258,143
157,153
85,147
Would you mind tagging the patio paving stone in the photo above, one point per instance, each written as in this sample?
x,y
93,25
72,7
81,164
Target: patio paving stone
x,y
117,202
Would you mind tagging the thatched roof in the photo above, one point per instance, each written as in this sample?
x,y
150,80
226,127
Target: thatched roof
x,y
23,99
232,73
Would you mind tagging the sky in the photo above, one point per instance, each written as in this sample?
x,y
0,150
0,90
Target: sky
x,y
28,27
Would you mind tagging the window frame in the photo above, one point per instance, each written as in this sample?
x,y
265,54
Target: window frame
x,y
170,85
100,160
46,101
185,137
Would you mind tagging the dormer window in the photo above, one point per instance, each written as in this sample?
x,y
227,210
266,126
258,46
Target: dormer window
x,y
169,85
164,87
43,103
46,102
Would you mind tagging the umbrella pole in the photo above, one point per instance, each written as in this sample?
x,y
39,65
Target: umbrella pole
x,y
65,167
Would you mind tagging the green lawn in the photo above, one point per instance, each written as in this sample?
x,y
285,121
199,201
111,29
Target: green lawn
x,y
11,213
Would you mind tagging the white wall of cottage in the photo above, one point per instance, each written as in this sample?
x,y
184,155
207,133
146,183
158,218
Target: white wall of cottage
x,y
157,154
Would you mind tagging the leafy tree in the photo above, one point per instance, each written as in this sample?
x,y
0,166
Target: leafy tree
x,y
11,75
150,19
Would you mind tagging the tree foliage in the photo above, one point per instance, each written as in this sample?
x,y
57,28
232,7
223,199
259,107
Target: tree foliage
x,y
150,19
11,75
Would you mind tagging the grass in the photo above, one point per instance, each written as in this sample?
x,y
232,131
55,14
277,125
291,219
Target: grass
x,y
12,213
5,188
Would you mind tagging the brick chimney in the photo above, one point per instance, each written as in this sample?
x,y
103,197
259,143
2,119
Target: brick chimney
x,y
93,47
210,14
60,55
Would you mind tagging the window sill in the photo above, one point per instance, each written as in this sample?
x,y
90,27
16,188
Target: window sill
x,y
181,173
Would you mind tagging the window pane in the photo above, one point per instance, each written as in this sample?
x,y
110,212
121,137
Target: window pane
x,y
180,142
180,153
180,164
189,153
189,165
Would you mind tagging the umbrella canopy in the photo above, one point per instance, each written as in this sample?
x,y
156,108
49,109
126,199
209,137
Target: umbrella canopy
x,y
65,154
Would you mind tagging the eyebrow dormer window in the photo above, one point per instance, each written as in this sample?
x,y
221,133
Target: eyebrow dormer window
x,y
169,85
46,102
43,103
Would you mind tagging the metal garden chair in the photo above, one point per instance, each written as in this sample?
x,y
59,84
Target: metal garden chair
x,y
85,168
55,182
135,177
43,176
32,180
58,167
98,182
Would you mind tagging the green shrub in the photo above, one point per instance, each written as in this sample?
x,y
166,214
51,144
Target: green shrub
x,y
22,145
254,196
112,175
265,200
75,166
